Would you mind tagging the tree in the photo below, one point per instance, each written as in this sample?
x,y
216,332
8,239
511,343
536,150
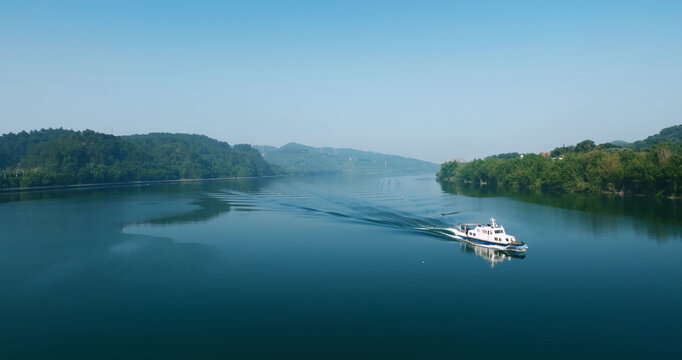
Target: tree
x,y
585,146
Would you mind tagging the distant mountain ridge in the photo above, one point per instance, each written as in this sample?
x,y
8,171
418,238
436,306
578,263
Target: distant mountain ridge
x,y
672,134
301,159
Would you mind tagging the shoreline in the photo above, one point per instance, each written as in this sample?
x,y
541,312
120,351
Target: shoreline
x,y
123,184
621,193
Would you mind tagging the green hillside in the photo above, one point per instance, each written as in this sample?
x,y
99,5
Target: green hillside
x,y
651,167
301,159
65,157
672,134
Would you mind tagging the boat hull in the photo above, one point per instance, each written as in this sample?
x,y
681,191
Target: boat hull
x,y
521,247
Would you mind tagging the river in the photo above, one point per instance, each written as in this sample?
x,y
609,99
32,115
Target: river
x,y
334,267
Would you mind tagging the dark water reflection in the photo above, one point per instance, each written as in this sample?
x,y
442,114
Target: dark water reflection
x,y
207,209
246,185
654,210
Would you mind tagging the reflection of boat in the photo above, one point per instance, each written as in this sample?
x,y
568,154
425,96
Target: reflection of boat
x,y
490,235
490,255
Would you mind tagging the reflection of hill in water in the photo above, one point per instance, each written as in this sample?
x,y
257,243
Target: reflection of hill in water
x,y
209,208
175,189
657,209
202,206
206,207
654,210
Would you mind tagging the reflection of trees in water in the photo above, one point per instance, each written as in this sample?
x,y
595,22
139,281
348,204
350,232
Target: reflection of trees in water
x,y
151,188
206,207
197,194
209,208
656,210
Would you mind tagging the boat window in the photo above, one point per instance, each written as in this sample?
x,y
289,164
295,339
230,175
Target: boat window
x,y
498,231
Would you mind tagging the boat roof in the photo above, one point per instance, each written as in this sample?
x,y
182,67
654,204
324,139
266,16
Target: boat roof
x,y
479,224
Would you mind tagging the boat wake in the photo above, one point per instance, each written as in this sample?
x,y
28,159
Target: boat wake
x,y
378,204
381,203
342,209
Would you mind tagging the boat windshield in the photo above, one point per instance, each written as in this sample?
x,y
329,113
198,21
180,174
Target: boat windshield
x,y
466,227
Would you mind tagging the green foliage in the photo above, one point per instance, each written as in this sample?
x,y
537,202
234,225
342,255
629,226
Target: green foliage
x,y
605,146
447,170
671,134
65,157
581,147
584,146
512,155
584,168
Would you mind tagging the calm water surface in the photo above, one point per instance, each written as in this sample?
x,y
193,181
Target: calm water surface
x,y
325,267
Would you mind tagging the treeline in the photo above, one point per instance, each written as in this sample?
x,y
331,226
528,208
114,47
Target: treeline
x,y
655,170
671,134
65,157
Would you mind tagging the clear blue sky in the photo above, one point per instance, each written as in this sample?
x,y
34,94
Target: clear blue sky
x,y
433,80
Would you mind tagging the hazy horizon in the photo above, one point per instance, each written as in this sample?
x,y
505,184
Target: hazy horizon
x,y
257,146
432,81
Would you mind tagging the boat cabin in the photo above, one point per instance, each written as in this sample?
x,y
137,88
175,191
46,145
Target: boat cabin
x,y
491,232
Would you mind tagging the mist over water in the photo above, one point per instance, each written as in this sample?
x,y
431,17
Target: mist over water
x,y
331,266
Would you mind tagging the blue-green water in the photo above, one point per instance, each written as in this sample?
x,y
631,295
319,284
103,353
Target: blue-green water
x,y
324,267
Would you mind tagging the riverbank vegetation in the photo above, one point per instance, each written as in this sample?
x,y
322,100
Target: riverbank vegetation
x,y
651,167
65,157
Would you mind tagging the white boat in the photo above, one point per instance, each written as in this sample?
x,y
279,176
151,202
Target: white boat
x,y
490,235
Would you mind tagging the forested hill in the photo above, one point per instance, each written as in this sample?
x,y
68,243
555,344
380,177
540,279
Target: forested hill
x,y
66,157
301,159
650,167
671,134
